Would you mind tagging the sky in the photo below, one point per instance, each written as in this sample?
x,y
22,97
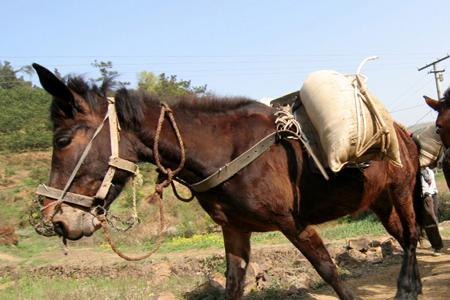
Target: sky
x,y
259,49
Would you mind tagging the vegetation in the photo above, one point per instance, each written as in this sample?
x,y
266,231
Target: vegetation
x,y
167,86
24,126
24,122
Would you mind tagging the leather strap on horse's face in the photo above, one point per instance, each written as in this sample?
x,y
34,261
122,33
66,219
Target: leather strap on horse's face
x,y
115,162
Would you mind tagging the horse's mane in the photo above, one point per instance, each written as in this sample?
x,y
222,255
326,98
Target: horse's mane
x,y
447,96
130,103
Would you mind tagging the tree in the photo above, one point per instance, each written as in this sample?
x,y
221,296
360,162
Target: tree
x,y
148,81
9,78
166,86
107,74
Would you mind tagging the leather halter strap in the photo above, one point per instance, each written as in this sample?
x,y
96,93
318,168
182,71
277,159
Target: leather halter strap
x,y
115,162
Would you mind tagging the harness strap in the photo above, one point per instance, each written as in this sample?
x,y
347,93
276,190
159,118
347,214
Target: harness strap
x,y
237,164
123,164
76,199
114,139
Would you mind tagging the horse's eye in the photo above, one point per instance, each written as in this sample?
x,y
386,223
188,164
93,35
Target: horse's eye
x,y
62,142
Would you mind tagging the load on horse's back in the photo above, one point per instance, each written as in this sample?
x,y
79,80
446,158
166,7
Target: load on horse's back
x,y
280,190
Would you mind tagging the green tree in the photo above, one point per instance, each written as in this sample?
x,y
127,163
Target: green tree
x,y
9,78
24,122
107,74
166,86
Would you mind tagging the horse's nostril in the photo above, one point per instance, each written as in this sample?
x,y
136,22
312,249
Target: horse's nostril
x,y
59,228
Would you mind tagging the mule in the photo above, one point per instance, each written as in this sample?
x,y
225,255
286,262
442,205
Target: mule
x,y
279,191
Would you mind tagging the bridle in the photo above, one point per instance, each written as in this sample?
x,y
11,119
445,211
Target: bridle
x,y
115,163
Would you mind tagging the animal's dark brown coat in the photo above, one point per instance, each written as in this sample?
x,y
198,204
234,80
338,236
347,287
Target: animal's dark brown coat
x,y
278,191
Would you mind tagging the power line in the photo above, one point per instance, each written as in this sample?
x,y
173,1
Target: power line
x,y
421,118
406,108
438,74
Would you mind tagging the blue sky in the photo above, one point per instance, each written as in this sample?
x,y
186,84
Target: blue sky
x,y
248,48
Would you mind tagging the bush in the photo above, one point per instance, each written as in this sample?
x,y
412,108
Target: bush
x,y
24,121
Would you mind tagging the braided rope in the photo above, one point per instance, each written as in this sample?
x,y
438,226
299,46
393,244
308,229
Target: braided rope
x,y
169,173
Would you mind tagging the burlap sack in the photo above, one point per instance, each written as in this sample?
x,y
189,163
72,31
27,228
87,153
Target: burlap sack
x,y
346,121
430,145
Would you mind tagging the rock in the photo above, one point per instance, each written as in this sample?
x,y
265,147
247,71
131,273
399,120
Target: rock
x,y
211,289
251,278
361,244
387,248
375,255
217,280
444,224
375,243
350,258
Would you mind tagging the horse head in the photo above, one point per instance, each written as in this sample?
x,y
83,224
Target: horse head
x,y
442,107
78,112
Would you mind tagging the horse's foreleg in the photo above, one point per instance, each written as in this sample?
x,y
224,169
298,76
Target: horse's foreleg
x,y
237,251
311,245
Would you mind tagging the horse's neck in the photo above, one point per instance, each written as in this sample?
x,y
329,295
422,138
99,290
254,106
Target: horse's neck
x,y
210,139
203,139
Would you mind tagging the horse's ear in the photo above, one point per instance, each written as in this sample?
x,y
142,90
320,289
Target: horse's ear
x,y
434,104
62,95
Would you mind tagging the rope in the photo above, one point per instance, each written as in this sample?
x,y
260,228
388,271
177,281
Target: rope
x,y
160,234
169,173
161,184
285,121
134,219
179,197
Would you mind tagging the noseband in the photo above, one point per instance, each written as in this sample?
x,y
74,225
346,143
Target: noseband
x,y
115,162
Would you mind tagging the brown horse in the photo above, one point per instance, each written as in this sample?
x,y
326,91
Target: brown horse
x,y
442,107
278,191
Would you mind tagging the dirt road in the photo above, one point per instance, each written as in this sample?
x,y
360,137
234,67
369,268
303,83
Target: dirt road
x,y
380,282
281,272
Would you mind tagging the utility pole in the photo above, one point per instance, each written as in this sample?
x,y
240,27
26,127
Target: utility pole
x,y
438,76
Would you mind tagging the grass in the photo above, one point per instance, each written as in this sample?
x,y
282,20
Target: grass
x,y
191,229
32,245
32,287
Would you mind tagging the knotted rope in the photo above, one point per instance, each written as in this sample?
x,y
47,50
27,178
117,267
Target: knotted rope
x,y
168,173
161,184
285,121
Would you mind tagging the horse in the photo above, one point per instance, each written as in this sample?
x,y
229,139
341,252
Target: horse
x,y
279,191
442,107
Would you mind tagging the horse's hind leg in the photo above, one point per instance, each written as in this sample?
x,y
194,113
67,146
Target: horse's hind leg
x,y
402,227
311,246
237,250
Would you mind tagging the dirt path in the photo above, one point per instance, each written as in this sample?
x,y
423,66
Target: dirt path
x,y
280,263
381,282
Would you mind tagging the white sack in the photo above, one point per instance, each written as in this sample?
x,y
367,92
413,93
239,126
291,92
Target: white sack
x,y
343,121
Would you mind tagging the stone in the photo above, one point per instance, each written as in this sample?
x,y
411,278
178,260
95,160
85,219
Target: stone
x,y
360,244
387,248
375,255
